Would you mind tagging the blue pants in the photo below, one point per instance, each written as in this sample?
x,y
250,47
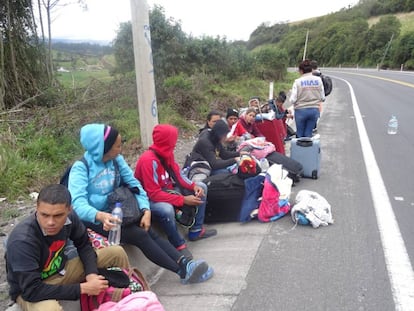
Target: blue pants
x,y
164,213
306,119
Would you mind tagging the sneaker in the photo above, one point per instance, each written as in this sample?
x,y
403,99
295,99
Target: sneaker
x,y
196,272
185,252
203,234
207,275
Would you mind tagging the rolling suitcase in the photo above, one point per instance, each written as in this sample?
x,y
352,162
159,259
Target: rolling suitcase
x,y
307,151
224,198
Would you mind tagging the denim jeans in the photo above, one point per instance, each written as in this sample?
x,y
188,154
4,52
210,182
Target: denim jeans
x,y
306,121
164,213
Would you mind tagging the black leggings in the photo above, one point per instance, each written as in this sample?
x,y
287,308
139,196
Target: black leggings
x,y
156,249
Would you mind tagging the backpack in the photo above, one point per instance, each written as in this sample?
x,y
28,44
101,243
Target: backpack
x,y
275,196
327,84
141,301
64,179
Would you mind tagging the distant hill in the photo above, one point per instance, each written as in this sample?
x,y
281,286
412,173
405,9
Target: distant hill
x,y
91,41
371,33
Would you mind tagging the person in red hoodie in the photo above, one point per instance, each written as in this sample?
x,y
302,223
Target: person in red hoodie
x,y
159,174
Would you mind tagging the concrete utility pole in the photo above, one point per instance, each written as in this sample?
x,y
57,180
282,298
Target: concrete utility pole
x,y
306,45
144,70
386,51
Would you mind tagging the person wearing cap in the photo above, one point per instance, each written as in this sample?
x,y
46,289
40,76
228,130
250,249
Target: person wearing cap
x,y
210,148
159,174
90,187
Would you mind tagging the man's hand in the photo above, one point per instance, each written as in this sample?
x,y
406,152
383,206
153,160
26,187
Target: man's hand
x,y
94,284
146,220
199,191
192,200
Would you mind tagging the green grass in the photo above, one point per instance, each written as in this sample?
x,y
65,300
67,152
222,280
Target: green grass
x,y
407,22
81,78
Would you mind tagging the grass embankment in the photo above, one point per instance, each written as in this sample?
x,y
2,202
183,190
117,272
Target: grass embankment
x,y
37,144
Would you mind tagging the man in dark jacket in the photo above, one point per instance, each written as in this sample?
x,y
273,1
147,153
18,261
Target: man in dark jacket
x,y
38,270
209,147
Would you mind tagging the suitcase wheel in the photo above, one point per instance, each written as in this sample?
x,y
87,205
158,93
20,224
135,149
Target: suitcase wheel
x,y
315,174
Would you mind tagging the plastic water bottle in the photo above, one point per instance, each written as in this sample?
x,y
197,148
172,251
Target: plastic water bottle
x,y
114,236
392,126
264,164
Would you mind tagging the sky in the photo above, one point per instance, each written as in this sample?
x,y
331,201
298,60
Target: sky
x,y
233,19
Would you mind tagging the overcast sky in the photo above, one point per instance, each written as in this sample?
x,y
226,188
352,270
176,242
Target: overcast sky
x,y
233,19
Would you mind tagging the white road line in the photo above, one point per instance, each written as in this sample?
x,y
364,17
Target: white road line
x,y
397,261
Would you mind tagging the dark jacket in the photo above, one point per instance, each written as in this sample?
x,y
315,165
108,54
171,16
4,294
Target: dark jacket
x,y
31,257
209,148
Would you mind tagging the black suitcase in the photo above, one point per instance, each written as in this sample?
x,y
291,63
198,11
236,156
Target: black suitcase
x,y
224,198
294,167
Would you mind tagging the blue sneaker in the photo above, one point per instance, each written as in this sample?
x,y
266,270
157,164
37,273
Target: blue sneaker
x,y
196,271
207,275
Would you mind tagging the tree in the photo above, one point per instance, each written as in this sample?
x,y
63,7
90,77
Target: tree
x,y
271,63
379,35
404,49
22,68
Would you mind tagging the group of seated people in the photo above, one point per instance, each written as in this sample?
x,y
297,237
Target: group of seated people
x,y
38,271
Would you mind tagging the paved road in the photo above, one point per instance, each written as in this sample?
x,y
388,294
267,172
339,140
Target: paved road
x,y
341,267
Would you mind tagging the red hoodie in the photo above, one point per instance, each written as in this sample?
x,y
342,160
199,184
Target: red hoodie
x,y
151,173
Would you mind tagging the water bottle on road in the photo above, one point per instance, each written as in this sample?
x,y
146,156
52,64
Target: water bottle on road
x,y
114,236
392,126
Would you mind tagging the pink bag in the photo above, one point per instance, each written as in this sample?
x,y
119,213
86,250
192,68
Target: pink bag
x,y
141,301
111,294
271,208
257,147
97,240
137,283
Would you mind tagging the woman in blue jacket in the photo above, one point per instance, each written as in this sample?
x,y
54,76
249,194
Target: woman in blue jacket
x,y
90,187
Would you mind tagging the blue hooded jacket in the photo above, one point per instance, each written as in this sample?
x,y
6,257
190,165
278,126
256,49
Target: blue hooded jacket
x,y
90,191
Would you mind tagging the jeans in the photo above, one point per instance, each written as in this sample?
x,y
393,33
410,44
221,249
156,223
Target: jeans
x,y
306,121
164,213
219,171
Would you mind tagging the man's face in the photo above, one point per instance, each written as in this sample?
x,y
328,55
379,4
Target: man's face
x,y
213,120
231,120
52,217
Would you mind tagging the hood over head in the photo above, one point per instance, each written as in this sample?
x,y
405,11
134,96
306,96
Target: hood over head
x,y
164,137
92,140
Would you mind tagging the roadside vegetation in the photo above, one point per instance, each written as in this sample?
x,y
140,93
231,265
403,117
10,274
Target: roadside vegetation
x,y
41,112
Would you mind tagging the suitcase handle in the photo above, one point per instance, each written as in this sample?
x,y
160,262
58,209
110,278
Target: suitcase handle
x,y
304,142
